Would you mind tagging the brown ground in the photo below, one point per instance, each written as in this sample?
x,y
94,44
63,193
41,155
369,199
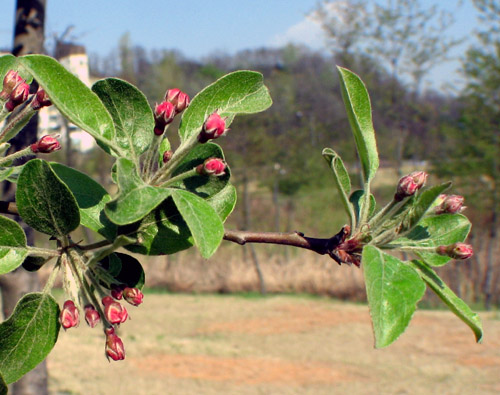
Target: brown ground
x,y
185,344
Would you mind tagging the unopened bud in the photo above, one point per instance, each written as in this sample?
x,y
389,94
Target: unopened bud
x,y
450,204
10,81
178,98
408,185
46,145
41,100
114,346
117,292
214,127
164,115
212,167
133,295
167,155
114,312
18,96
456,251
69,316
91,315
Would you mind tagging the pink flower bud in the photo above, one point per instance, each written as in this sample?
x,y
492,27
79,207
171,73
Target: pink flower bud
x,y
450,204
41,100
178,98
408,185
167,155
456,251
114,346
91,316
214,127
164,114
18,96
70,316
117,292
10,81
46,145
133,295
212,167
114,312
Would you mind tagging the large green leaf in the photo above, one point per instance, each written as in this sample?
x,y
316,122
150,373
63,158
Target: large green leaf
x,y
44,202
91,198
131,115
203,221
72,98
124,269
456,305
240,92
13,249
27,337
224,201
435,231
10,62
136,198
393,289
342,181
359,112
201,185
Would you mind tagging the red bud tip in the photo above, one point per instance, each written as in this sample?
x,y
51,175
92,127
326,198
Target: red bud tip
x,y
41,100
46,145
164,115
450,204
117,293
408,185
11,80
114,347
456,251
92,316
214,127
167,155
69,316
133,296
114,312
18,96
212,167
179,99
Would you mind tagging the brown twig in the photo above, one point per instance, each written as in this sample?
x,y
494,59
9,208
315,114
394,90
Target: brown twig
x,y
295,239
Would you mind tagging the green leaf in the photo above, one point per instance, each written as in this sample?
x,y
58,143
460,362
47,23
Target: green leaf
x,y
28,336
357,200
456,305
358,107
203,221
131,113
5,173
201,185
421,205
163,231
342,181
44,202
136,198
13,248
393,289
240,92
128,272
435,231
91,198
71,97
10,62
224,201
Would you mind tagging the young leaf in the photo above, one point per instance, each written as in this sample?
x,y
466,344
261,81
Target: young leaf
x,y
357,199
136,198
456,305
359,112
201,185
342,181
131,115
434,231
393,289
28,335
224,201
13,249
130,270
203,221
162,232
240,92
91,198
44,202
72,98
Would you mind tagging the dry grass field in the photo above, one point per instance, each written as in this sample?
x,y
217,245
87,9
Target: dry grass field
x,y
211,344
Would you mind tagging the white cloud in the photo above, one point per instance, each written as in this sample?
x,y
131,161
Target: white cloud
x,y
306,32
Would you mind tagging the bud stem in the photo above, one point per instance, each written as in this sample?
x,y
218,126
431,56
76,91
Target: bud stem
x,y
16,123
179,177
16,155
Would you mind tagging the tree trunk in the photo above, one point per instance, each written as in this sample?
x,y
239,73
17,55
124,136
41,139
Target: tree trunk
x,y
28,38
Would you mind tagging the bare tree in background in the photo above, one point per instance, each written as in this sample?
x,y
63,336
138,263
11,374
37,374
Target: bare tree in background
x,y
28,39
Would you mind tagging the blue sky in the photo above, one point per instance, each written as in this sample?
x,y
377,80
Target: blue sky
x,y
198,27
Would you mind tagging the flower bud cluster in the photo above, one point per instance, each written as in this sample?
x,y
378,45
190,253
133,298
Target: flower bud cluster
x,y
175,102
